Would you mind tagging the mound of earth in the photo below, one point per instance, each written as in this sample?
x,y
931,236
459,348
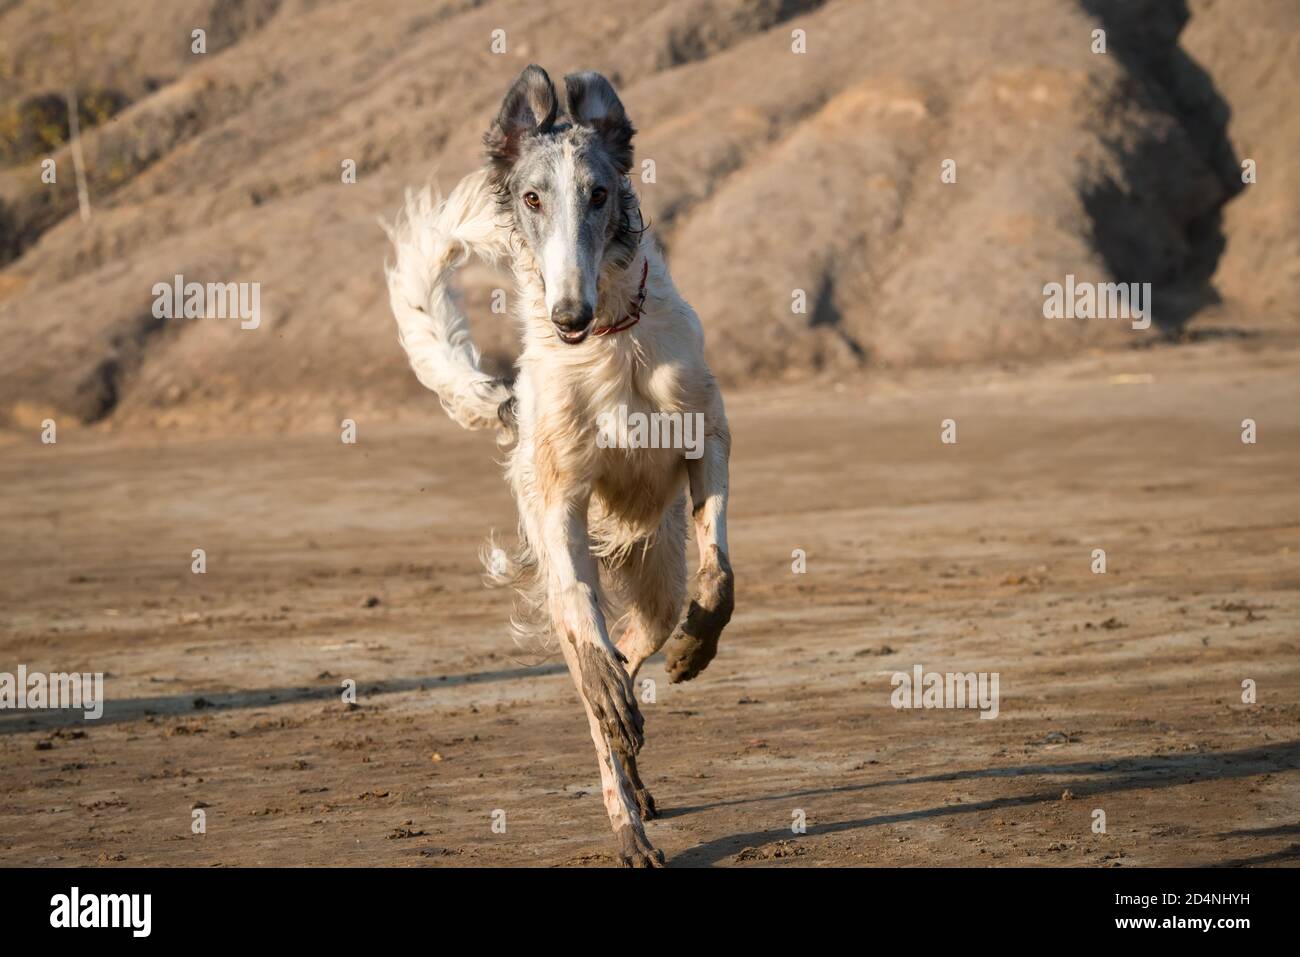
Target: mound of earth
x,y
839,185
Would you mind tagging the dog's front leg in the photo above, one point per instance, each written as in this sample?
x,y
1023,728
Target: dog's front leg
x,y
695,641
604,686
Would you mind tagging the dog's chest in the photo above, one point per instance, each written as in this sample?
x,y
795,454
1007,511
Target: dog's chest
x,y
644,435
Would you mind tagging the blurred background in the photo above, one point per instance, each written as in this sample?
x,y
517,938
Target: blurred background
x,y
773,171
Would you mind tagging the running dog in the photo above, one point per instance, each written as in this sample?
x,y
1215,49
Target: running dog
x,y
602,519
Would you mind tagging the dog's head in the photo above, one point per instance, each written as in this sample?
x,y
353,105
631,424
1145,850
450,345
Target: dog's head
x,y
560,165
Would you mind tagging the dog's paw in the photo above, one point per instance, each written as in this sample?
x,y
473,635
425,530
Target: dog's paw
x,y
646,803
635,849
695,641
608,690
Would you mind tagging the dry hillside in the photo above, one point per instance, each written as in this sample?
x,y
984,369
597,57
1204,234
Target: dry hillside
x,y
774,171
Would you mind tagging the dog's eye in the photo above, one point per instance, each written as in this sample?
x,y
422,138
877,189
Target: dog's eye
x,y
533,200
598,196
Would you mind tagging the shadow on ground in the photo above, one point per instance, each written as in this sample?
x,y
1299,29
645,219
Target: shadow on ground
x,y
1125,774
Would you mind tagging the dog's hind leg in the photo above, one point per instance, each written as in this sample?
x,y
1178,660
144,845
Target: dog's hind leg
x,y
652,581
596,668
619,789
695,641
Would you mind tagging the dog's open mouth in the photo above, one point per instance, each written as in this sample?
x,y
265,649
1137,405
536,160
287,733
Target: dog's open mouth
x,y
573,337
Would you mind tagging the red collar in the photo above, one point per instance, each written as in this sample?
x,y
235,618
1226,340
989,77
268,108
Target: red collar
x,y
634,316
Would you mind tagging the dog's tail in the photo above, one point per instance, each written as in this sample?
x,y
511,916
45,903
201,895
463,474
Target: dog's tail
x,y
432,238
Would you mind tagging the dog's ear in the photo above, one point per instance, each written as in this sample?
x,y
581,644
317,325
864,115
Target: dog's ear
x,y
529,107
591,101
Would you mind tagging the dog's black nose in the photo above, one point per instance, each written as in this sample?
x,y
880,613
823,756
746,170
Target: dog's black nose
x,y
572,316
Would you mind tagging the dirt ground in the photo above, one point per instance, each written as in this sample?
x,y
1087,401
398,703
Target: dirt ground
x,y
1119,691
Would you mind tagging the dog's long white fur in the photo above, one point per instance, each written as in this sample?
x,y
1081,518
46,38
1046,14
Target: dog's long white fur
x,y
433,237
586,512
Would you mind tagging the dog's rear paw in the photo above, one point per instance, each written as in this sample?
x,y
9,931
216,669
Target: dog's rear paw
x,y
635,849
608,690
695,641
646,803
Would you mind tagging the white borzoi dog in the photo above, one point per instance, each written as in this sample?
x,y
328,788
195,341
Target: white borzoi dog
x,y
602,517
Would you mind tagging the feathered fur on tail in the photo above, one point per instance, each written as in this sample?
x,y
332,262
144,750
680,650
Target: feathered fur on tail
x,y
432,238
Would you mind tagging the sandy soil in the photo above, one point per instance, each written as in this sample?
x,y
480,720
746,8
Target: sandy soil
x,y
1119,691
